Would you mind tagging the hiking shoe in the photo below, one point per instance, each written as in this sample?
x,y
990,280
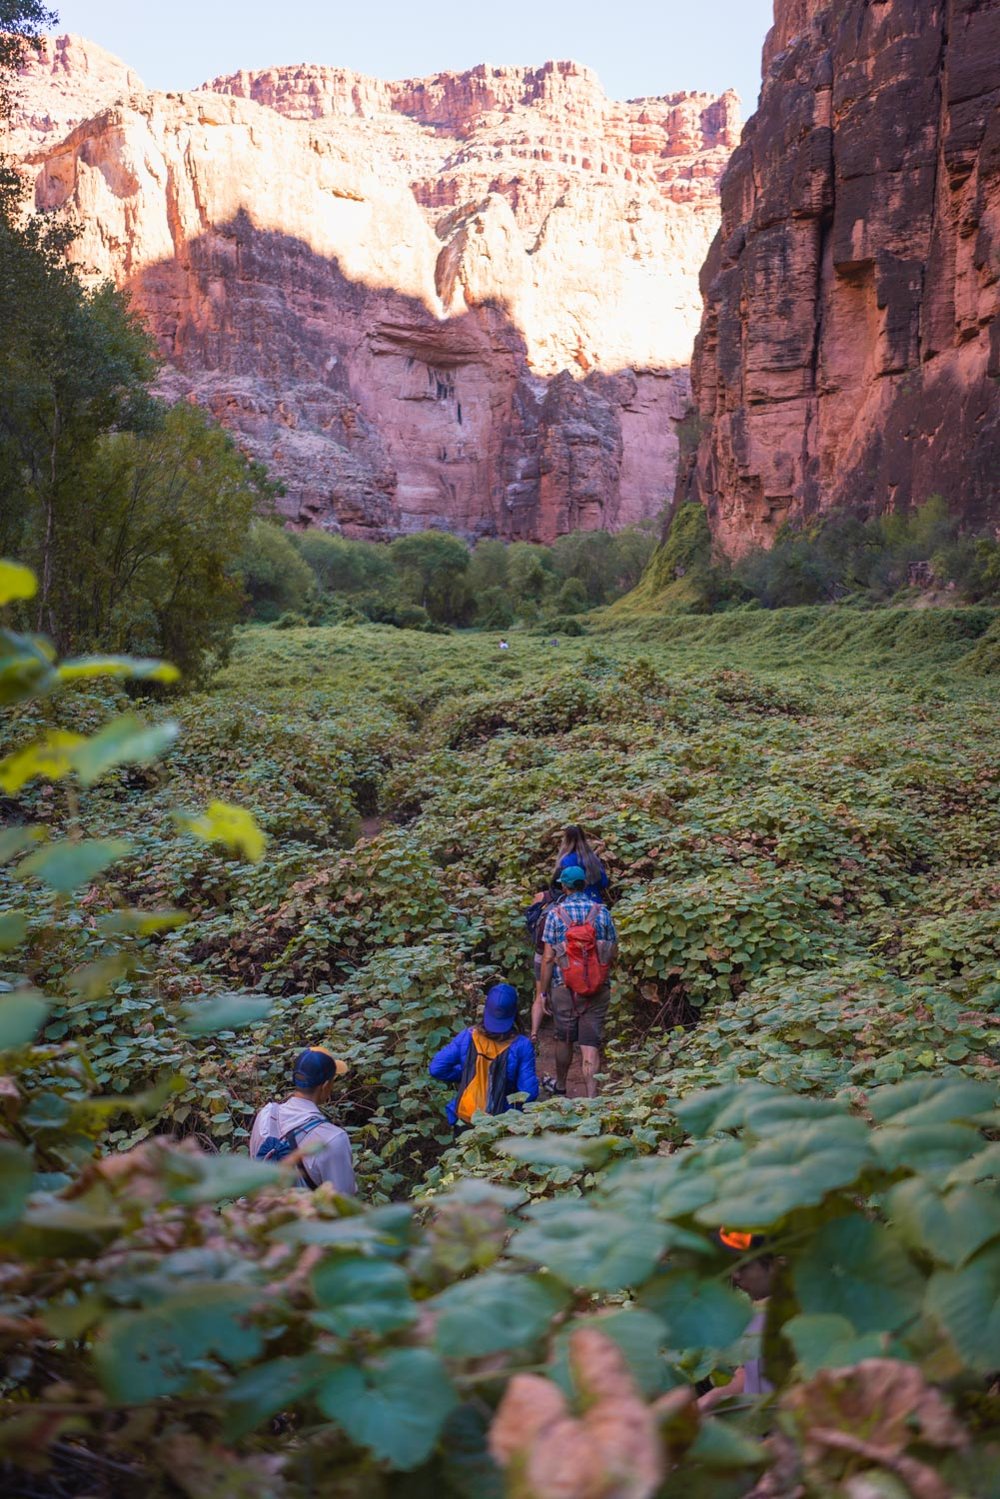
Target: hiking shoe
x,y
551,1086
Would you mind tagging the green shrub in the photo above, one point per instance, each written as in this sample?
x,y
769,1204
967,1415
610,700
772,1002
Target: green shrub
x,y
276,579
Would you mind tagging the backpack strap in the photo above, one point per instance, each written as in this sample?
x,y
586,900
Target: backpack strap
x,y
295,1135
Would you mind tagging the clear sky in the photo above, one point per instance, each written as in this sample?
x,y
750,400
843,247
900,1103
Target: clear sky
x,y
637,46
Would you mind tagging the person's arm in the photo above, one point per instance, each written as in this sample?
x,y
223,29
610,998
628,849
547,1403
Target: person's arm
x,y
525,1076
333,1164
537,1015
545,977
447,1065
712,1398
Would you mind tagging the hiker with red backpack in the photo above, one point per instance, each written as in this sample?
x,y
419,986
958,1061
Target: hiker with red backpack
x,y
580,947
489,1062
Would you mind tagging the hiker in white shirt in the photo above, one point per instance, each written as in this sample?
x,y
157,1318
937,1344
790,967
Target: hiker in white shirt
x,y
298,1123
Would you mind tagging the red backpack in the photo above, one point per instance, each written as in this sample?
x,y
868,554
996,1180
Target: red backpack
x,y
582,970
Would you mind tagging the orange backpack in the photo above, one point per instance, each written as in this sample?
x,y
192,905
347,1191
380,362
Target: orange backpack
x,y
479,1090
582,970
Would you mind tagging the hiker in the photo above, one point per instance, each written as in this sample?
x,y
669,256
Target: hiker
x,y
504,646
282,1129
756,1278
488,1061
575,852
581,945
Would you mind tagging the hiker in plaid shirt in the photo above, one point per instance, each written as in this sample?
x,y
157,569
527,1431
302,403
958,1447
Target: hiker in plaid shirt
x,y
576,1020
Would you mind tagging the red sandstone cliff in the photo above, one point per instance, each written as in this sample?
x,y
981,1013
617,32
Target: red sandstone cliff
x,y
466,300
849,352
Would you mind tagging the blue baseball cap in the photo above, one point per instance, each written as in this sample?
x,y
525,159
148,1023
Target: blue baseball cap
x,y
574,875
316,1066
500,1010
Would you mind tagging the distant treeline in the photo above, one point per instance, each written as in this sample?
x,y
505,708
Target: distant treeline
x,y
433,580
841,558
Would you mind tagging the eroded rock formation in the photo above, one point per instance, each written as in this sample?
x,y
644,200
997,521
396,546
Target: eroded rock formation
x,y
850,348
467,300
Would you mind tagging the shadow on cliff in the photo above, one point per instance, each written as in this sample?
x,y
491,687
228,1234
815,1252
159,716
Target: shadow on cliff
x,y
369,406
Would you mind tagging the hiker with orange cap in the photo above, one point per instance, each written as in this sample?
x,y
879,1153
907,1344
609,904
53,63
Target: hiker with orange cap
x,y
489,1062
754,1275
298,1129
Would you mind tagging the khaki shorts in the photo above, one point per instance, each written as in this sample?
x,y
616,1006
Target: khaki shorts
x,y
578,1019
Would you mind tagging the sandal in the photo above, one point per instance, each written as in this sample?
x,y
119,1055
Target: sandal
x,y
550,1086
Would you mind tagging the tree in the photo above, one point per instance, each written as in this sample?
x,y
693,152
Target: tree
x,y
344,566
433,568
530,572
488,566
276,578
75,365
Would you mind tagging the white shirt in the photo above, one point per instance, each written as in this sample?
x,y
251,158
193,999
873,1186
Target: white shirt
x,y
326,1149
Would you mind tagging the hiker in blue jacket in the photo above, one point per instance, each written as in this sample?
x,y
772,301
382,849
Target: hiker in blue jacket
x,y
488,1061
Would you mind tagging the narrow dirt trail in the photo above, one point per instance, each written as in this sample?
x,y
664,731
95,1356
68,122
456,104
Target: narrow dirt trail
x,y
546,1062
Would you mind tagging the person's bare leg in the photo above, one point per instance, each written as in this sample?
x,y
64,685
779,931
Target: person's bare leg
x,y
591,1067
537,1016
564,1056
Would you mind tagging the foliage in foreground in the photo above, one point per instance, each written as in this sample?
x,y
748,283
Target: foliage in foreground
x,y
809,860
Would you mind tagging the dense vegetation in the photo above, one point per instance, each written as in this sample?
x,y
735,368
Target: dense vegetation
x,y
840,558
432,580
805,857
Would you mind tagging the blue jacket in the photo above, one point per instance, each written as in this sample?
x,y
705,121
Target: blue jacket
x,y
595,892
519,1059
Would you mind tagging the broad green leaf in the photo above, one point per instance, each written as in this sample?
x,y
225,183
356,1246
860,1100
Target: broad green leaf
x,y
639,1335
66,865
143,1355
981,1167
124,741
934,1149
94,980
697,1312
931,1100
600,1251
357,1295
950,1228
210,1178
13,929
22,1015
493,1311
227,1012
14,841
141,923
265,1389
719,1445
718,1109
136,669
16,1170
967,1304
51,757
16,582
233,827
792,1170
828,1341
395,1406
25,667
856,1269
560,1150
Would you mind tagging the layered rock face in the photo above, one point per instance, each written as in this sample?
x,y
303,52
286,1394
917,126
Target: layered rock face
x,y
464,301
849,353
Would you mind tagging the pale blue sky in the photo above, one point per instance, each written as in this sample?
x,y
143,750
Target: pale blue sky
x,y
637,46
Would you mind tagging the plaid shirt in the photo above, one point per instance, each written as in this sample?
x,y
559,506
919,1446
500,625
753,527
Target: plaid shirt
x,y
573,911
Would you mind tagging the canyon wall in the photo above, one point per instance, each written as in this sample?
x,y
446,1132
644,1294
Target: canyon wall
x,y
463,301
849,352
